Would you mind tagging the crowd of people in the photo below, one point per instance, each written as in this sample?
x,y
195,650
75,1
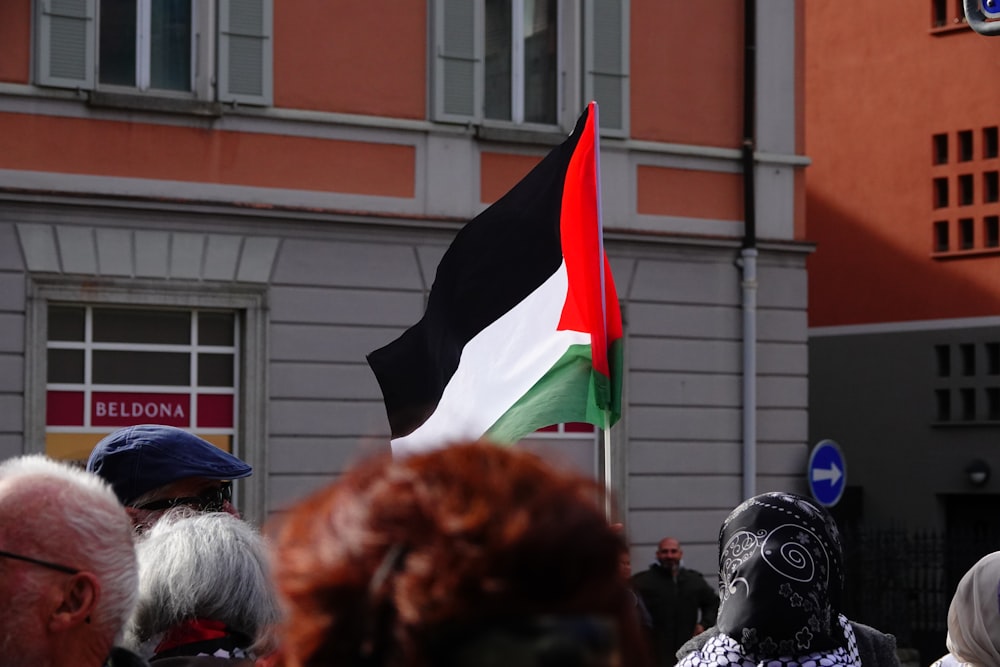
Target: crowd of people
x,y
472,555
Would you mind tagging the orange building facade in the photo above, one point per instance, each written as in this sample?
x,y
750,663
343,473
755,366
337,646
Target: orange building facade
x,y
903,204
211,211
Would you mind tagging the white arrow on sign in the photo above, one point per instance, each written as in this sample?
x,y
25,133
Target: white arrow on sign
x,y
831,474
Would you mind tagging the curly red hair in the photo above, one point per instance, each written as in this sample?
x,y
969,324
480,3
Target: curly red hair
x,y
400,554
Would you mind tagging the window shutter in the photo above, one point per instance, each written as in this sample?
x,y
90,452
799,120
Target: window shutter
x,y
458,63
245,53
66,34
606,47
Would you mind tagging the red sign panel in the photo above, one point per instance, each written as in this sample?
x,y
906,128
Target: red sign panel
x,y
64,408
215,410
127,408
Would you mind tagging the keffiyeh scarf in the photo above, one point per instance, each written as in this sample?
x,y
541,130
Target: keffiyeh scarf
x,y
724,651
780,584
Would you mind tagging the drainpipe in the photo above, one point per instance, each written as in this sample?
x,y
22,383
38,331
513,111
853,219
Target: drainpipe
x,y
748,254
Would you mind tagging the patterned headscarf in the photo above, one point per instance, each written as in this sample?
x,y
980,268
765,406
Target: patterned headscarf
x,y
974,614
780,580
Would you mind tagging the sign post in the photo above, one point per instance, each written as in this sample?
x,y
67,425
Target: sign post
x,y
827,473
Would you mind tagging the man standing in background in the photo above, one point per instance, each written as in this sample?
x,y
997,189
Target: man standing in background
x,y
680,601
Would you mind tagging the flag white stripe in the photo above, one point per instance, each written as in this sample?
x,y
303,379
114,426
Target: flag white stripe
x,y
498,367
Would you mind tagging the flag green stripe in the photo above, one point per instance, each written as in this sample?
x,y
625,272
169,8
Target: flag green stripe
x,y
568,392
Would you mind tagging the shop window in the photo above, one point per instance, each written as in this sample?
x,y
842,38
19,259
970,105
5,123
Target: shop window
x,y
109,367
940,148
966,234
941,236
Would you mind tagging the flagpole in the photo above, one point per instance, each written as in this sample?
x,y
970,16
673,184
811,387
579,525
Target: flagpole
x,y
606,435
608,477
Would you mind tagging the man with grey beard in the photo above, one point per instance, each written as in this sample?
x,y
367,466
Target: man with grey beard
x,y
67,567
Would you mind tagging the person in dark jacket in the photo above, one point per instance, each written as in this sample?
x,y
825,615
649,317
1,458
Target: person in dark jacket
x,y
679,600
781,578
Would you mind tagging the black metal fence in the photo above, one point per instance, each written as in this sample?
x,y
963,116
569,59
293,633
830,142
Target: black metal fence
x,y
902,581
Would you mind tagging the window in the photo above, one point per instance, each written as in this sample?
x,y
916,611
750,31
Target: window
x,y
993,403
966,234
970,394
967,396
521,62
109,367
991,231
941,236
940,193
939,14
991,187
940,148
526,63
967,352
166,48
942,399
992,358
942,357
989,143
965,145
966,194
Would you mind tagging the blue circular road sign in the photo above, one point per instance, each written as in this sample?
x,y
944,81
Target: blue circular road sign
x,y
827,473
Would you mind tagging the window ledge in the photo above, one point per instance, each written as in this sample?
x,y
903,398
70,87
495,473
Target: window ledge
x,y
515,135
157,104
981,423
965,254
957,26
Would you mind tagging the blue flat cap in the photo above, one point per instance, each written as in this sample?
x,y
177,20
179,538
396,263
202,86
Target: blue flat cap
x,y
138,459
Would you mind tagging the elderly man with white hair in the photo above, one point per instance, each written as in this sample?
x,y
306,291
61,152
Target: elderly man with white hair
x,y
205,592
68,572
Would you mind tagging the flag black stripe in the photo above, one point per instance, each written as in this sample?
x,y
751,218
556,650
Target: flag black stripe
x,y
496,260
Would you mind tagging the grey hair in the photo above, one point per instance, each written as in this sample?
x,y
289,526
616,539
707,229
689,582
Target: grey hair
x,y
79,520
209,566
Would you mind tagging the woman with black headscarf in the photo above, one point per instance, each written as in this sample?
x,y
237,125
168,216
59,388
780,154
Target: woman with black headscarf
x,y
780,581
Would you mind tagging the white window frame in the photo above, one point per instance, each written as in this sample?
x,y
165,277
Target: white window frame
x,y
192,349
251,397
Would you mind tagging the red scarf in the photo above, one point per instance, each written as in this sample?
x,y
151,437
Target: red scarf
x,y
188,632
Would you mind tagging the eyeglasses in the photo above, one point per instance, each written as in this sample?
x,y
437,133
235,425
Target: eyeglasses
x,y
44,563
210,500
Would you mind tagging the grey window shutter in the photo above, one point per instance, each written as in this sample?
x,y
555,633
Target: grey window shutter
x,y
458,63
245,51
606,47
65,43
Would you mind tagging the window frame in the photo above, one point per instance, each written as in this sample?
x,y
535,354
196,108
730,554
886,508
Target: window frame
x,y
216,34
251,396
457,80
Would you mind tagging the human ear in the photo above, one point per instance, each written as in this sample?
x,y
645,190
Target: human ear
x,y
80,594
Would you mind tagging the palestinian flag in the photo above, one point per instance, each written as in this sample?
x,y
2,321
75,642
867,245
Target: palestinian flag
x,y
522,328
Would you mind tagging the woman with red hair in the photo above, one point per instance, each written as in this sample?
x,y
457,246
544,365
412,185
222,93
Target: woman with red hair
x,y
468,555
